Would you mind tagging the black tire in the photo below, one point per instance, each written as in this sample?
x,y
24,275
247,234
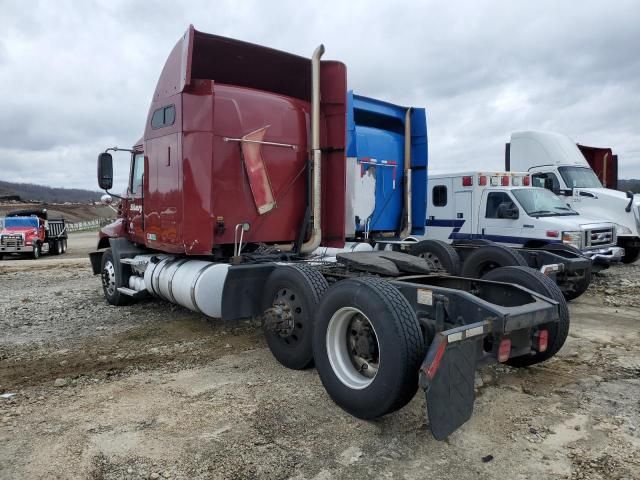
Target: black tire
x,y
539,283
396,333
631,254
579,287
111,281
37,251
64,245
301,288
55,247
489,257
440,255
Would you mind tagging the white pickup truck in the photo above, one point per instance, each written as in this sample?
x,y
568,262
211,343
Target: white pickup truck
x,y
478,208
556,163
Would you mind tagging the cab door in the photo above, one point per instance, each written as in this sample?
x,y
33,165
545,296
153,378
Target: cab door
x,y
491,226
136,198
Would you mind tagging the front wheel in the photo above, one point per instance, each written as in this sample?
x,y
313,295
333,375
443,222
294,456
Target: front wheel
x,y
631,254
37,251
367,347
539,283
111,280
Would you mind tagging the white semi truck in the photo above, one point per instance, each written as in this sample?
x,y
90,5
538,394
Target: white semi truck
x,y
556,163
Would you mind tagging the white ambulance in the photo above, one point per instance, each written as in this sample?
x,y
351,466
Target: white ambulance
x,y
504,208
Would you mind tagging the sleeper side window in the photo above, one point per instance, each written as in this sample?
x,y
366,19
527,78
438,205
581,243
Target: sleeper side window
x,y
163,117
439,195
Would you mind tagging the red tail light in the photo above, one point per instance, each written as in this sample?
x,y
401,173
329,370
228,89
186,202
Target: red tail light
x,y
482,180
504,350
526,181
467,181
543,340
505,181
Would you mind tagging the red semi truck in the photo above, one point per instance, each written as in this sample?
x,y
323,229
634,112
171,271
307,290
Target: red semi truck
x,y
604,163
240,177
31,232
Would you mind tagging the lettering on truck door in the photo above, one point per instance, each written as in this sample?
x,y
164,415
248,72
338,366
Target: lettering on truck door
x,y
136,198
493,225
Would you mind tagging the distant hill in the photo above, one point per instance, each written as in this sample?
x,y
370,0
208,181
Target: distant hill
x,y
632,184
40,193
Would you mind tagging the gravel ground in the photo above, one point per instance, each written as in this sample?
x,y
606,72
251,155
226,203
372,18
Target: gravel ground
x,y
156,391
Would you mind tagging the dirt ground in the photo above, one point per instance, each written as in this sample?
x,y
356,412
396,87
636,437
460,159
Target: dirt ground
x,y
155,391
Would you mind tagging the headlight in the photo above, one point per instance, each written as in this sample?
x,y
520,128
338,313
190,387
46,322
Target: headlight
x,y
622,230
573,239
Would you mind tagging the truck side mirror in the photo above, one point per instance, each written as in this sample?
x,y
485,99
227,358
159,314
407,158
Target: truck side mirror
x,y
105,171
548,183
506,210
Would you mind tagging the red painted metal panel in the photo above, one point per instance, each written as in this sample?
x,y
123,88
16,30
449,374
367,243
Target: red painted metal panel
x,y
333,89
604,163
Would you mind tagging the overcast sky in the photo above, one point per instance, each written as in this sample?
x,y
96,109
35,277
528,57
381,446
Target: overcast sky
x,y
76,77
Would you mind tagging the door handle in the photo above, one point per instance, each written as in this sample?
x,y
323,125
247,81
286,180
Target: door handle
x,y
168,155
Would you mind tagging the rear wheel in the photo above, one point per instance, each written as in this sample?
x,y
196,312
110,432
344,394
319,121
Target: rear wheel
x,y
111,280
64,245
580,286
489,257
290,299
631,254
539,283
367,347
438,254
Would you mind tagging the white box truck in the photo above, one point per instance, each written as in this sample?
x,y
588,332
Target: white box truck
x,y
556,163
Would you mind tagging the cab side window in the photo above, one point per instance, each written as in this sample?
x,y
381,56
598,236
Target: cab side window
x,y
494,199
538,180
137,173
163,117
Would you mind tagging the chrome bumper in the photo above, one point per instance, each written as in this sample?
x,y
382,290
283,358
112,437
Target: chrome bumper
x,y
16,249
605,256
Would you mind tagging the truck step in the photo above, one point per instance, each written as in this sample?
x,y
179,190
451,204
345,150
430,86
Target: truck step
x,y
133,293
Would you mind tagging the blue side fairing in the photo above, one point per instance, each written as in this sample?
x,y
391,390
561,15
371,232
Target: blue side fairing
x,y
375,136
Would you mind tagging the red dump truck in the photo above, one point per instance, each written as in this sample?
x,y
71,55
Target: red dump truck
x,y
240,179
32,232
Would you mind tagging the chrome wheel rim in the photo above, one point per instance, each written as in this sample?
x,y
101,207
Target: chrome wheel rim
x,y
109,278
353,348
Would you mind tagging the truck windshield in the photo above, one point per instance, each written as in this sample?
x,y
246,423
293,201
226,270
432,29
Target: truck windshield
x,y
538,202
10,222
579,177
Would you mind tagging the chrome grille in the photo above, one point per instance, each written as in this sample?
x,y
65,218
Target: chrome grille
x,y
11,241
599,237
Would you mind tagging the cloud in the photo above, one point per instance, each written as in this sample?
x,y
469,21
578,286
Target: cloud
x,y
76,77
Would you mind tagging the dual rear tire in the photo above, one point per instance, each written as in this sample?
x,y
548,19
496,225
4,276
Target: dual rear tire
x,y
361,333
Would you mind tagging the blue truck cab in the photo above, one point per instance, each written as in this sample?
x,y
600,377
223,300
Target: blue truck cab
x,y
386,154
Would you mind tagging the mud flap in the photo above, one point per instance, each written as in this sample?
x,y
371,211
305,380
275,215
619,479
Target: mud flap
x,y
447,376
